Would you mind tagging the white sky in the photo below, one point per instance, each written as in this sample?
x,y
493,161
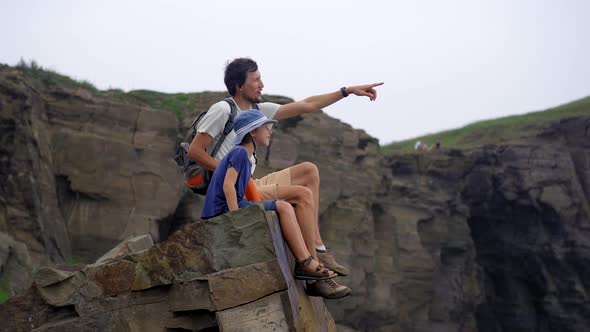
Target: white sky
x,y
444,63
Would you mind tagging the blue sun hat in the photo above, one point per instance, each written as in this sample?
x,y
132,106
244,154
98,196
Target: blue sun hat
x,y
247,121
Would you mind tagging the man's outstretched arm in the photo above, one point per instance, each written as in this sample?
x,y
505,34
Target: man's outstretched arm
x,y
315,103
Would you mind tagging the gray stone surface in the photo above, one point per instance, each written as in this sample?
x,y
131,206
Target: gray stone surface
x,y
264,315
130,245
15,265
184,285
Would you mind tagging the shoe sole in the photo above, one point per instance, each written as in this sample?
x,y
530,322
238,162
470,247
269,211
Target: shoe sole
x,y
334,296
340,273
304,277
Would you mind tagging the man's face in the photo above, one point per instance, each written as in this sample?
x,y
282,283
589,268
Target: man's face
x,y
252,88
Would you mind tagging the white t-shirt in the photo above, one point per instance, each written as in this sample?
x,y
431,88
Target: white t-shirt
x,y
214,121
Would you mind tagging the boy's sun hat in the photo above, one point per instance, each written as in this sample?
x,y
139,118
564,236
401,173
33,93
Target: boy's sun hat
x,y
247,121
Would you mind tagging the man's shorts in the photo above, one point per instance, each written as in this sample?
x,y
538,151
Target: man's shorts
x,y
268,186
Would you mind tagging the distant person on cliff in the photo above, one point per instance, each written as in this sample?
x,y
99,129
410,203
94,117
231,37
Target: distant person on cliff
x,y
227,189
298,184
420,146
435,146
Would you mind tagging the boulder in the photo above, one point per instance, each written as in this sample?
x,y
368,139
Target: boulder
x,y
230,272
15,265
130,245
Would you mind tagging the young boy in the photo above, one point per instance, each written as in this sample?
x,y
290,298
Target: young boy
x,y
228,186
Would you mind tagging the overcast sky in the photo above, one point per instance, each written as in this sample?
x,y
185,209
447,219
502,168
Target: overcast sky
x,y
444,63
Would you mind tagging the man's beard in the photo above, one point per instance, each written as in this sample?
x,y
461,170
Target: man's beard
x,y
254,100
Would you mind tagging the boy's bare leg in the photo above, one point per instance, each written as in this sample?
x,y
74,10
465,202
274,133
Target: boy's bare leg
x,y
291,231
307,175
293,236
303,200
328,289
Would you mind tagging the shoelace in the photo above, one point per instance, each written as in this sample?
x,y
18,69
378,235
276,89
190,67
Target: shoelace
x,y
331,283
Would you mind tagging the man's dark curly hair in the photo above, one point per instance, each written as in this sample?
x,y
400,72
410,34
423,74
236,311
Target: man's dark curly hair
x,y
236,73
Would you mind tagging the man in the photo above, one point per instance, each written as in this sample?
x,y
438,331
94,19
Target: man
x,y
420,146
298,184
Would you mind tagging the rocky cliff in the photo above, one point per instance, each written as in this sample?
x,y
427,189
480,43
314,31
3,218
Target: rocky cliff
x,y
230,273
490,239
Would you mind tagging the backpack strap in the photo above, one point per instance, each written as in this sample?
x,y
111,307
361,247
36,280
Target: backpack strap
x,y
229,125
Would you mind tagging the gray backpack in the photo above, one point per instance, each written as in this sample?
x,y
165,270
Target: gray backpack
x,y
196,177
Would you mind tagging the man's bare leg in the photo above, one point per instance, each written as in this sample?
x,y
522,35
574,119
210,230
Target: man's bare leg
x,y
307,174
305,180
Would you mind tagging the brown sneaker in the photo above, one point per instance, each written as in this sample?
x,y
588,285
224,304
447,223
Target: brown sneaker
x,y
329,262
328,289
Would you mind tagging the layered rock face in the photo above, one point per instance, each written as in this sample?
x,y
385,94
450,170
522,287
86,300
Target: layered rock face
x,y
530,221
403,233
80,172
493,239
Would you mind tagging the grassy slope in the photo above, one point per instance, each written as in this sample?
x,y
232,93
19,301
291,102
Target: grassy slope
x,y
177,103
4,295
501,130
181,104
50,77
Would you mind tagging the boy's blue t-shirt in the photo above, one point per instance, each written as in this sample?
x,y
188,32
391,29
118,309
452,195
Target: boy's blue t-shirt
x,y
215,202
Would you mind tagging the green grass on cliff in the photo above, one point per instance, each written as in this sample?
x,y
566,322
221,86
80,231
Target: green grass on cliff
x,y
181,103
177,103
172,102
50,77
4,294
76,260
496,131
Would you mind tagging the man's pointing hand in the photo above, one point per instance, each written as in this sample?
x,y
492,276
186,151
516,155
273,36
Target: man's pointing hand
x,y
364,90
